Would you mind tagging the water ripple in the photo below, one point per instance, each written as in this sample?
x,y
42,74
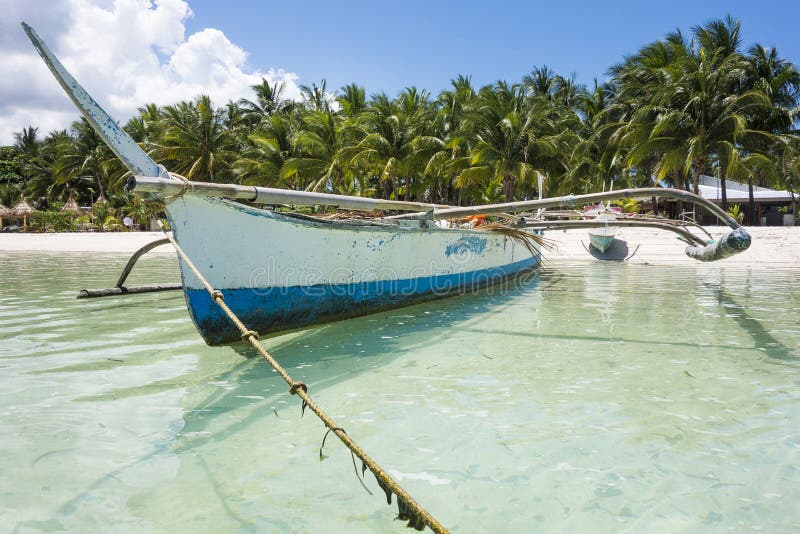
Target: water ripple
x,y
597,397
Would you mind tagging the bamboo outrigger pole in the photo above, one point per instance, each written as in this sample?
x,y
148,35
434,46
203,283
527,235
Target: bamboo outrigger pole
x,y
731,243
269,195
577,200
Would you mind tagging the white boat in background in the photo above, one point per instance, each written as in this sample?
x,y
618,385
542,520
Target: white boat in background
x,y
602,237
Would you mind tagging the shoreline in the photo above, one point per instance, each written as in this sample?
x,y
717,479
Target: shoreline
x,y
108,242
771,245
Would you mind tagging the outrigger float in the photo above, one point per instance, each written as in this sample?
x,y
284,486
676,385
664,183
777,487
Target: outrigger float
x,y
280,271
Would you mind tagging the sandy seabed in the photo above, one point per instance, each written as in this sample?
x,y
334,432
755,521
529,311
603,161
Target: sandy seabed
x,y
771,246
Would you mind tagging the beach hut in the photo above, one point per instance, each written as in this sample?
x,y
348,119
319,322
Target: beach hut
x,y
24,210
71,206
768,202
4,212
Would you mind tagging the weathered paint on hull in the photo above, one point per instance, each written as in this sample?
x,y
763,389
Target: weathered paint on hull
x,y
274,309
279,272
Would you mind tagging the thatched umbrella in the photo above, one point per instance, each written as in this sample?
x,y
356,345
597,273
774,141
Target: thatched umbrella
x,y
4,212
23,209
71,205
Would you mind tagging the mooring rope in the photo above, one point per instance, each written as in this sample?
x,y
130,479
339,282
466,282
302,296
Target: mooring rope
x,y
408,509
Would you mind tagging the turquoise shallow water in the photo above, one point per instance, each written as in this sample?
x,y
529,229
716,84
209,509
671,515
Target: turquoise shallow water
x,y
598,397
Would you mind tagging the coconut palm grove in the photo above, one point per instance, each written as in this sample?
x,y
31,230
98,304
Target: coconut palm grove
x,y
688,104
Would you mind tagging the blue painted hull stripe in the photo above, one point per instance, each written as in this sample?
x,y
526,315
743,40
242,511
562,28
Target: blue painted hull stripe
x,y
274,309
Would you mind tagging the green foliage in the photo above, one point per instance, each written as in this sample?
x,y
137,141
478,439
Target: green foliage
x,y
110,224
141,211
680,106
84,223
10,165
628,205
100,211
736,213
53,221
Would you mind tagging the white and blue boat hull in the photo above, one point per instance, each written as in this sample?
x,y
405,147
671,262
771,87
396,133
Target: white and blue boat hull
x,y
280,272
601,242
602,238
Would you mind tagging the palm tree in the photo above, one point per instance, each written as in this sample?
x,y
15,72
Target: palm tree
x,y
146,127
392,137
318,144
512,137
776,77
779,80
196,142
698,110
27,144
352,100
26,141
85,155
789,147
269,99
541,81
593,159
267,151
316,97
46,180
634,111
451,157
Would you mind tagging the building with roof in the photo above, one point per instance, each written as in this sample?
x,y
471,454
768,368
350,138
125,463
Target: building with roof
x,y
773,207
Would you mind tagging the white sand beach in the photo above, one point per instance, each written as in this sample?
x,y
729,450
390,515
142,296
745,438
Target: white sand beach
x,y
772,245
111,242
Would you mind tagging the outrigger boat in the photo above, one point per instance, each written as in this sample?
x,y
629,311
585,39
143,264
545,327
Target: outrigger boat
x,y
280,271
602,236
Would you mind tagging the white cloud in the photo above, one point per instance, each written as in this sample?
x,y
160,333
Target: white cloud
x,y
126,53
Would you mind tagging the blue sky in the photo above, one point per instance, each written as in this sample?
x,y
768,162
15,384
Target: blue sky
x,y
389,45
131,52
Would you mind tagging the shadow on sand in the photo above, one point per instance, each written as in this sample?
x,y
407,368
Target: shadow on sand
x,y
618,251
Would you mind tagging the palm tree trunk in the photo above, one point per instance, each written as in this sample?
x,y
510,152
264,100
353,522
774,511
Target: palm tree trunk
x,y
648,173
697,168
388,186
751,204
724,188
508,186
339,178
102,190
